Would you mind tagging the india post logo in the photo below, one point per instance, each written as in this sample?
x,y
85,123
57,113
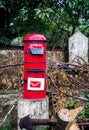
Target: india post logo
x,y
36,84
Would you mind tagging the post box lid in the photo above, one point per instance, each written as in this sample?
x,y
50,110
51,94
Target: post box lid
x,y
34,37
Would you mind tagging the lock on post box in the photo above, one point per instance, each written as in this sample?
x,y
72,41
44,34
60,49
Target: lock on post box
x,y
34,66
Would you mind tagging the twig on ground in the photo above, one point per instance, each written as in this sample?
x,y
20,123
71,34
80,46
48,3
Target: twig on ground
x,y
6,116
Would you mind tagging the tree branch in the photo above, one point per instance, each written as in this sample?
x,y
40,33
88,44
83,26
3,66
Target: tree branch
x,y
5,66
79,98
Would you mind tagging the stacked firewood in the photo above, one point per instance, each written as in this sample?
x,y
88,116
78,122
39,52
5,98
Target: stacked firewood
x,y
64,81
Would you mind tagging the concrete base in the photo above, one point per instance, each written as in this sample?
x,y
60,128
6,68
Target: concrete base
x,y
33,108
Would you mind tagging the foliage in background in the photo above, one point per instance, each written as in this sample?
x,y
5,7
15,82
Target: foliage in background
x,y
56,19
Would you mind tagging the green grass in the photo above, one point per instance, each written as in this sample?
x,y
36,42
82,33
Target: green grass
x,y
7,125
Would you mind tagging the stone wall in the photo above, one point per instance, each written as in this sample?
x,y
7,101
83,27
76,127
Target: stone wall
x,y
55,55
11,66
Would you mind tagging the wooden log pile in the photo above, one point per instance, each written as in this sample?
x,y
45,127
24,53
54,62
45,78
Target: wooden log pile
x,y
67,80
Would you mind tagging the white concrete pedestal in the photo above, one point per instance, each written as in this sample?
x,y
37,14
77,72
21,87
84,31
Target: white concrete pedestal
x,y
33,108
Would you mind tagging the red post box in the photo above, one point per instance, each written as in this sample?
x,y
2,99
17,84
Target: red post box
x,y
34,66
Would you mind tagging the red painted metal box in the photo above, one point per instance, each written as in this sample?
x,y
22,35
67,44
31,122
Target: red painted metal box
x,y
34,66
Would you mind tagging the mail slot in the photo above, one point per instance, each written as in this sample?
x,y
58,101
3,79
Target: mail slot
x,y
36,50
34,66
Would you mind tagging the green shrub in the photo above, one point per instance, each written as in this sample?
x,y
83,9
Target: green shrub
x,y
85,112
